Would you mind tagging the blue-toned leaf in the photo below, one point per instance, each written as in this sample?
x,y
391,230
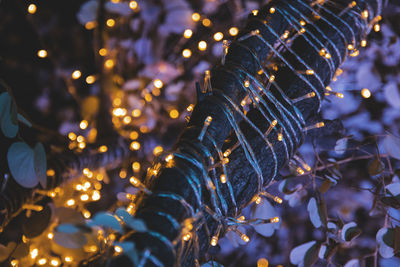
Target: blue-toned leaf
x,y
24,120
72,241
20,159
40,164
123,214
298,254
107,220
9,126
350,231
212,264
314,212
136,224
384,249
265,210
392,145
67,228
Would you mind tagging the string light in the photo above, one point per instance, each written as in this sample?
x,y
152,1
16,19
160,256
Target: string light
x,y
233,31
377,27
103,52
83,125
262,262
187,33
169,158
206,22
363,43
133,135
32,9
76,74
173,113
366,93
214,241
186,53
133,5
196,17
110,23
136,166
272,10
42,53
223,178
68,259
157,150
158,83
90,25
55,262
109,63
70,202
218,36
90,79
34,253
187,237
135,145
50,235
118,249
42,261
202,45
245,238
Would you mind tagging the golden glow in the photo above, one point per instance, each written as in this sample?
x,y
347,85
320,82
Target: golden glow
x,y
90,25
34,253
42,261
300,171
136,113
275,220
377,27
195,16
263,262
158,150
76,74
32,9
70,202
246,83
202,45
110,23
206,22
103,52
136,166
50,235
187,237
366,93
245,238
82,145
218,36
302,22
134,181
42,53
272,10
55,262
169,158
190,108
84,124
350,47
90,79
258,199
223,178
148,97
280,137
127,120
135,145
309,72
363,43
50,172
254,12
68,259
186,53
109,63
233,31
278,200
85,197
272,78
86,214
365,14
214,241
174,113
119,112
133,5
118,249
187,33
96,195
158,83
134,135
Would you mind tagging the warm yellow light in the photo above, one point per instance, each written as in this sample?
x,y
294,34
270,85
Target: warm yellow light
x,y
133,135
70,202
309,72
223,178
42,53
350,47
82,145
110,23
84,124
156,91
103,149
300,171
32,8
280,137
90,79
109,63
135,145
214,241
157,150
218,36
190,108
85,197
202,45
258,200
14,262
50,172
103,52
365,14
302,23
144,129
148,97
233,31
278,199
174,113
275,220
187,33
50,235
272,78
68,259
262,262
127,120
42,261
363,43
76,74
195,16
254,12
90,25
133,5
206,22
96,195
377,27
55,262
186,53
158,83
366,93
134,181
119,112
86,214
118,249
136,166
272,10
169,158
34,253
245,238
187,237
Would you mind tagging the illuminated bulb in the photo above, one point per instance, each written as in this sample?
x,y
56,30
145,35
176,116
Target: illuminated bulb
x,y
76,74
365,14
275,220
86,214
90,79
223,178
258,200
72,136
302,30
227,153
208,119
302,23
148,97
118,249
350,47
70,202
50,235
83,125
82,145
109,63
309,72
190,108
254,12
214,241
174,113
55,262
195,16
136,113
246,83
186,53
241,218
187,33
110,23
272,78
158,83
363,43
32,9
136,166
280,137
127,120
42,261
218,36
262,262
85,197
202,45
133,5
278,199
245,238
233,31
135,145
300,171
355,53
122,174
103,52
86,171
366,93
340,95
322,52
42,53
68,259
133,135
328,55
377,27
187,237
90,25
169,158
14,262
119,112
134,181
206,22
272,10
50,172
34,253
157,150
243,103
96,195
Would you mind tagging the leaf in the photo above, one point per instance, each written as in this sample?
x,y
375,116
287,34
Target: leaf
x,y
384,250
37,223
5,251
391,144
123,214
341,146
391,201
212,264
24,120
376,167
67,228
265,210
9,126
72,241
314,213
136,224
40,164
107,220
21,251
350,231
298,254
394,188
388,237
352,263
326,184
311,256
20,158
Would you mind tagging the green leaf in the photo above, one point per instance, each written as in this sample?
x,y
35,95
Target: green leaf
x,y
24,120
9,125
40,164
20,158
376,167
37,223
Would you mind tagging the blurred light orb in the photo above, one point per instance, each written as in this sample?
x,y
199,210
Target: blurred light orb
x,y
233,31
42,53
218,36
186,53
32,9
202,45
366,93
